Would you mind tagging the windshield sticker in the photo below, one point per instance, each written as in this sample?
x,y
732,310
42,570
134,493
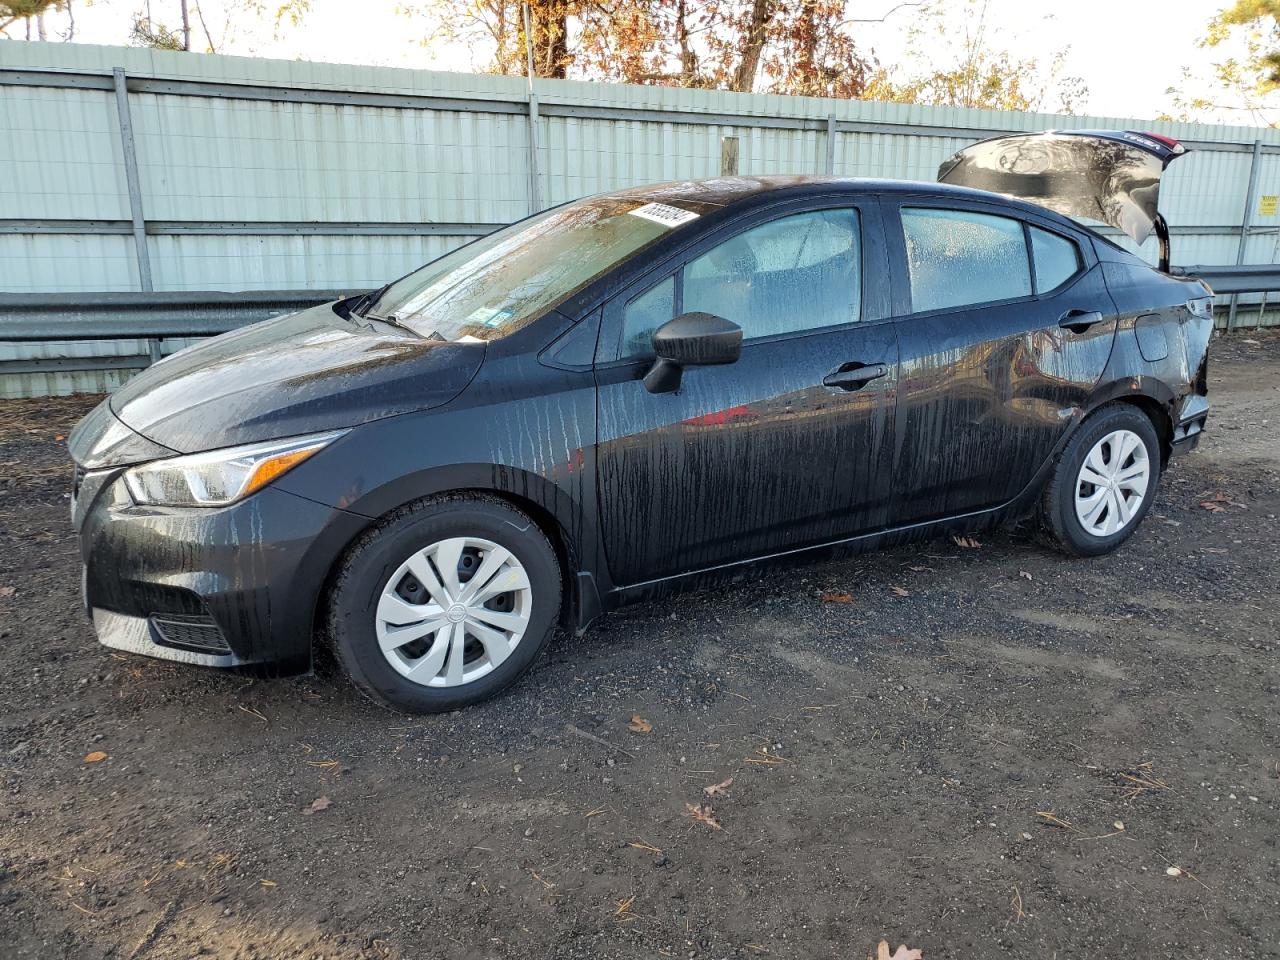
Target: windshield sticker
x,y
662,213
488,317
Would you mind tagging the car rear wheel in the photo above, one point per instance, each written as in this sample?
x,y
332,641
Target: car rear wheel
x,y
445,603
1103,483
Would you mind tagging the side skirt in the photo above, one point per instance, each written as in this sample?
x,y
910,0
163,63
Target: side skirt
x,y
729,573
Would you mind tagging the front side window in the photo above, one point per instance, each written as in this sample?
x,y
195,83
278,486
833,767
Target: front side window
x,y
790,275
956,258
494,286
645,314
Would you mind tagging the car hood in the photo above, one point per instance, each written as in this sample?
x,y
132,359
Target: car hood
x,y
302,373
1108,175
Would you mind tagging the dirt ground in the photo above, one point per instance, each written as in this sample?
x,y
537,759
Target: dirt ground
x,y
1009,759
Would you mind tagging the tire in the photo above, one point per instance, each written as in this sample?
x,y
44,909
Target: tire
x,y
1111,513
398,639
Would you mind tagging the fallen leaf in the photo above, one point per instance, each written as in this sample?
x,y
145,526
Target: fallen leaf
x,y
60,436
96,757
901,591
639,724
1218,502
8,591
1174,871
902,953
969,543
703,813
1119,825
836,598
318,804
267,883
721,787
1024,574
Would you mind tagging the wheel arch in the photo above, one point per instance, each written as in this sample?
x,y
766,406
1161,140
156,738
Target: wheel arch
x,y
1152,397
1160,419
551,508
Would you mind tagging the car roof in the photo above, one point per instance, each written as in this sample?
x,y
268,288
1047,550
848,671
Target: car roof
x,y
744,191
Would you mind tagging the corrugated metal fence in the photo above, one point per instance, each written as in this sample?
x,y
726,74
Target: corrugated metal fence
x,y
138,170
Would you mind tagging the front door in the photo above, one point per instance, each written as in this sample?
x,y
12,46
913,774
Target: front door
x,y
1007,328
786,448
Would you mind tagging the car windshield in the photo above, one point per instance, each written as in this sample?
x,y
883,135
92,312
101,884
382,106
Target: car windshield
x,y
496,285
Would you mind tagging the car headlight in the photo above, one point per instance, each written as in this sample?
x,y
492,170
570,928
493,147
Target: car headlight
x,y
220,477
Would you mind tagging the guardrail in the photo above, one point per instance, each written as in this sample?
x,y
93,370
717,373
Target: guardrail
x,y
1246,278
55,319
28,317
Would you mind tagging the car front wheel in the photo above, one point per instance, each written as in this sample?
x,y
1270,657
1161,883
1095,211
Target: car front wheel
x,y
1103,483
445,603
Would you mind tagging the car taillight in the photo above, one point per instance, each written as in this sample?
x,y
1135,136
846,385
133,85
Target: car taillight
x,y
1167,141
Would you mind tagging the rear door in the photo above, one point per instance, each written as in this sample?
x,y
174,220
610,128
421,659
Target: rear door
x,y
1005,327
785,448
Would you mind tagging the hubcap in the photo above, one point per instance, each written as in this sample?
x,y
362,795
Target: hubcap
x,y
1112,483
452,613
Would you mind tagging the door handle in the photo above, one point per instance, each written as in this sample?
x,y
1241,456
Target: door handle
x,y
1078,321
852,376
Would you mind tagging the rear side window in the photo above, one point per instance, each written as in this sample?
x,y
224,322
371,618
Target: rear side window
x,y
790,275
1057,259
956,258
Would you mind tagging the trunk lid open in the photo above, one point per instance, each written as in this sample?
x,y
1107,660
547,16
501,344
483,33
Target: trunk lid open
x,y
1112,176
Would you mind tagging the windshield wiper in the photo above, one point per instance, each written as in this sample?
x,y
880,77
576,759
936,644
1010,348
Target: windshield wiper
x,y
391,319
370,299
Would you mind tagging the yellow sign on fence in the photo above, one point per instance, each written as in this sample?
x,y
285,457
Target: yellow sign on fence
x,y
1267,205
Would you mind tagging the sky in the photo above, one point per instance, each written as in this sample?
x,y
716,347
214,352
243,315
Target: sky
x,y
1127,52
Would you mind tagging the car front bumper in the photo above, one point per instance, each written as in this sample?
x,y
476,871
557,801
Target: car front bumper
x,y
233,587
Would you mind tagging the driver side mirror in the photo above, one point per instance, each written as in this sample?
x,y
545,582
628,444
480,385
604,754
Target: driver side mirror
x,y
691,340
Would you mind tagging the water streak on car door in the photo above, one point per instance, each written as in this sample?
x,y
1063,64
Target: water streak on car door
x,y
988,391
749,459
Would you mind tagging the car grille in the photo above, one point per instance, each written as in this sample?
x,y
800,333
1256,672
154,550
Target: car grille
x,y
197,633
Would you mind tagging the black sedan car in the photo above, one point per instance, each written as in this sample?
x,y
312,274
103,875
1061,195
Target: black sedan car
x,y
638,392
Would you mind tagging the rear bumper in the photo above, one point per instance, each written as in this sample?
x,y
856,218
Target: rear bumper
x,y
1192,416
232,587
